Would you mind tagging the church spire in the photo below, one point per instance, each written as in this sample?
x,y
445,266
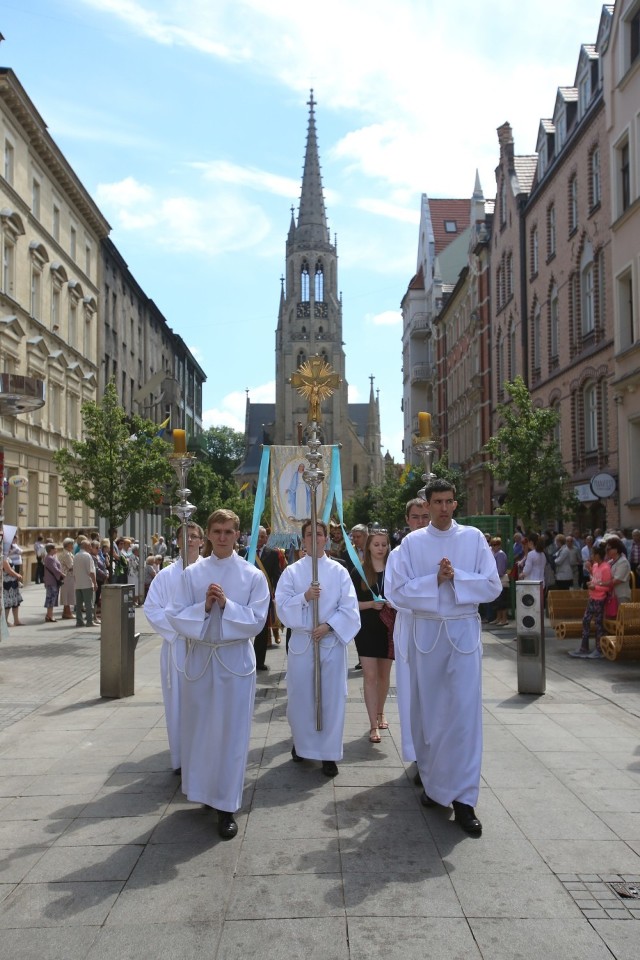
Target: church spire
x,y
312,228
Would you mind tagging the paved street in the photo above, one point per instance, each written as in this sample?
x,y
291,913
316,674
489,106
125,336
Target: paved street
x,y
101,857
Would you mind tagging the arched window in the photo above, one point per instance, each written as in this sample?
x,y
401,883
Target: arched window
x,y
304,282
319,285
300,359
500,366
587,299
536,353
554,320
590,404
512,350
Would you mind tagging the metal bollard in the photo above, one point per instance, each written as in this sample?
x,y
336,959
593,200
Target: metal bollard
x,y
530,636
118,641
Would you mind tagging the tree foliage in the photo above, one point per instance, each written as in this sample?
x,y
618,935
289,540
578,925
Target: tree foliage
x,y
211,481
525,457
119,466
385,503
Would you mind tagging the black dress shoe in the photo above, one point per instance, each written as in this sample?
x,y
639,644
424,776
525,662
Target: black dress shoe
x,y
330,768
262,666
417,779
426,800
178,772
466,817
358,666
295,757
227,826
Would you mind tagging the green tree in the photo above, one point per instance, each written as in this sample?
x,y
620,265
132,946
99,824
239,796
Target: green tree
x,y
525,457
119,466
222,449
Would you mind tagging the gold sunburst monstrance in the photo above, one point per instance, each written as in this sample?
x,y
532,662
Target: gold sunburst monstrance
x,y
315,381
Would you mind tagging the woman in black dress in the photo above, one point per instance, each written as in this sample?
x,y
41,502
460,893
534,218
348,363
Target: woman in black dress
x,y
372,640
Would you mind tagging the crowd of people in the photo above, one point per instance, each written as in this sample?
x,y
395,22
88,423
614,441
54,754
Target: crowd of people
x,y
416,599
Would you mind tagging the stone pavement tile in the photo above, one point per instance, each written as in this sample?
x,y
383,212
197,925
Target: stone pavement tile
x,y
12,785
10,766
381,823
46,808
49,746
614,799
372,775
85,863
376,798
124,805
399,894
160,941
49,943
157,784
560,815
545,735
515,893
261,857
393,938
6,889
283,774
314,938
147,756
496,850
589,856
503,939
286,896
133,716
88,831
30,833
15,863
307,817
524,769
579,760
63,784
163,862
382,855
635,845
187,900
58,904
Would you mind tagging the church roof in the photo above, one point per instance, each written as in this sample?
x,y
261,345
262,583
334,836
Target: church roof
x,y
525,167
359,416
449,218
261,419
312,230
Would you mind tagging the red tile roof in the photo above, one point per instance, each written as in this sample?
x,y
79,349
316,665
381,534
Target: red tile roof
x,y
448,211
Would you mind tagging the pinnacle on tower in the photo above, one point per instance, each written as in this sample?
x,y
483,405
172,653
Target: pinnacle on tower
x,y
312,227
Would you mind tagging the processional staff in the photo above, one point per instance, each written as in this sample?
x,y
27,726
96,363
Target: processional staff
x,y
181,461
315,381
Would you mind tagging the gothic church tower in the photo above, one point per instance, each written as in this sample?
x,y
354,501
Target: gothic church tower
x,y
310,322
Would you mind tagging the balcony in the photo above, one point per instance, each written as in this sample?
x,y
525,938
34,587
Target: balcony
x,y
420,325
421,372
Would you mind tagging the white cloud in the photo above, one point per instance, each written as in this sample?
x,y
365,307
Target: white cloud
x,y
232,409
221,171
388,318
213,223
391,210
354,395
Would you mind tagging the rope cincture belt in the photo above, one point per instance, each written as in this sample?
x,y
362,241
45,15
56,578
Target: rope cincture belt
x,y
213,650
299,653
443,622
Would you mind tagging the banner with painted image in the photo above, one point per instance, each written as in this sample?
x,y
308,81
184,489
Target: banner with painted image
x,y
290,496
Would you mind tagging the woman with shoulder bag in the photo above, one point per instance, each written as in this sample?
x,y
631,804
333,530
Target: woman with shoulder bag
x,y
53,578
620,573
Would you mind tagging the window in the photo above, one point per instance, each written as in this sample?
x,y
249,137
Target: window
x,y
73,321
534,252
623,185
304,282
584,92
36,291
9,161
590,399
450,226
537,346
588,313
509,277
573,205
626,332
551,231
512,350
87,258
503,202
55,308
553,324
35,198
634,37
56,223
596,188
8,267
500,366
73,241
319,284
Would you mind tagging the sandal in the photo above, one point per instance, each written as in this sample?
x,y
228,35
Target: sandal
x,y
382,722
374,736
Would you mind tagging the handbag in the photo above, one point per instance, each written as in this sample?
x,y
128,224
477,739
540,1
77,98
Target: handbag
x,y
611,606
388,617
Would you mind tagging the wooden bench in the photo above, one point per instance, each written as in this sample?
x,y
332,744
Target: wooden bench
x,y
566,609
625,643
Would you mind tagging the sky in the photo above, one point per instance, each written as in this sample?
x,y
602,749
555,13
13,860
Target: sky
x,y
186,121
